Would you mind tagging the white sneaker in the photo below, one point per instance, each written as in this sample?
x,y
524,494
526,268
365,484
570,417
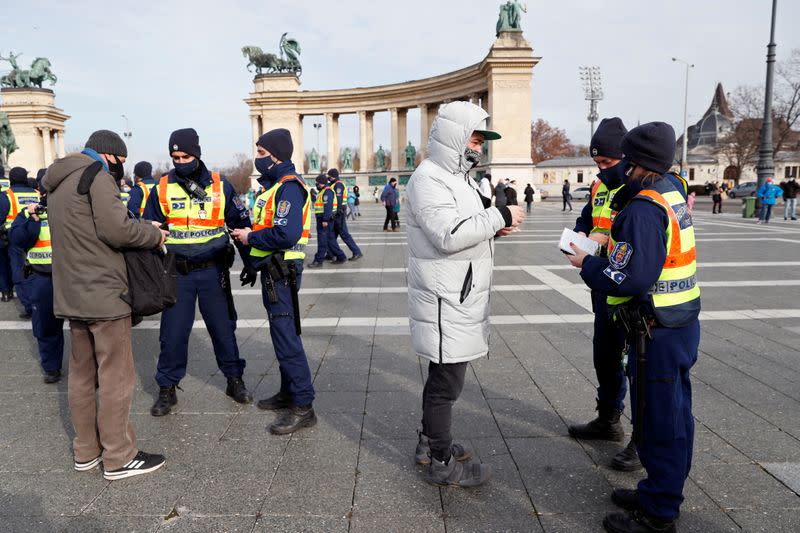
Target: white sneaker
x,y
88,465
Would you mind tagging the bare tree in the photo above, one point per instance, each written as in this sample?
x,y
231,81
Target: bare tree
x,y
238,174
548,142
740,146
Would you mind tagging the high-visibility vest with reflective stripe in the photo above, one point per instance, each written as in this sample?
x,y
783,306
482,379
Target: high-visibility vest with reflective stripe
x,y
42,252
319,203
145,193
344,190
17,202
602,214
264,213
676,294
124,197
191,221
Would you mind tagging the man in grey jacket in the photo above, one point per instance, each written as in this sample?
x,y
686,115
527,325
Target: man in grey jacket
x,y
89,282
451,231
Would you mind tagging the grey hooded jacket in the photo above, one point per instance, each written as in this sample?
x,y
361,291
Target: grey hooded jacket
x,y
450,244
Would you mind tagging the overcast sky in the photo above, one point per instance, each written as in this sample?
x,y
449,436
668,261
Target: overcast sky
x,y
175,64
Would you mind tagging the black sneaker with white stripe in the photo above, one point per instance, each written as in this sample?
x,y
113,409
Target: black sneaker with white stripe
x,y
84,466
143,463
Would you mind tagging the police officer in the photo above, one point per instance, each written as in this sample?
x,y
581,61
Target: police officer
x,y
137,198
6,286
608,341
325,206
124,192
30,231
197,204
278,240
19,195
650,278
339,217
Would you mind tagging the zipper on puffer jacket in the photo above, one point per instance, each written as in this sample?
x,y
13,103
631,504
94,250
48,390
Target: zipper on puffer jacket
x,y
440,331
466,287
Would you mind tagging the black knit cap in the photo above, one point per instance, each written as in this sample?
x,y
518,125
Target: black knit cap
x,y
651,146
185,140
607,138
321,179
143,169
277,142
107,142
333,173
39,175
18,176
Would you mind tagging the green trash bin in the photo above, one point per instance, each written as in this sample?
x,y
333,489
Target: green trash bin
x,y
748,207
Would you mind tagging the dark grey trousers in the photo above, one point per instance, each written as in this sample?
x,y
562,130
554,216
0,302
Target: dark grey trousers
x,y
442,389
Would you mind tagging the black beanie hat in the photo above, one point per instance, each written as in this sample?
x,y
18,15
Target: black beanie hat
x,y
321,179
277,142
185,140
39,175
651,146
607,138
18,176
2,171
107,142
333,173
143,169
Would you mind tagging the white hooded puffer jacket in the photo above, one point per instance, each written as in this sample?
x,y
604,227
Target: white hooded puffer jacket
x,y
450,244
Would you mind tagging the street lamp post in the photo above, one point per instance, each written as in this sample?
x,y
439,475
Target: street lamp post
x,y
766,163
684,162
317,127
127,133
593,90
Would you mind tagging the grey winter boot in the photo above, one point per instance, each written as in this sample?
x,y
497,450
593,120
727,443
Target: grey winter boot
x,y
453,473
422,455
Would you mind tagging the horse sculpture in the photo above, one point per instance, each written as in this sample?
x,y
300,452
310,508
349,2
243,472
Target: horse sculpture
x,y
288,61
7,142
34,77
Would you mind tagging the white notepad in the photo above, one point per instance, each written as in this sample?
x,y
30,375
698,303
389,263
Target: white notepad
x,y
584,243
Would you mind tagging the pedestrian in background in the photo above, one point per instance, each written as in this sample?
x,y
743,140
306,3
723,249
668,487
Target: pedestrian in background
x,y
451,232
390,198
716,196
377,195
20,194
511,193
137,198
357,201
566,197
768,195
500,198
89,276
529,192
790,190
690,201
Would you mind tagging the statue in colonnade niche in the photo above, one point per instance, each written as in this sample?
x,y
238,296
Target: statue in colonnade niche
x,y
347,159
313,161
8,144
380,158
411,155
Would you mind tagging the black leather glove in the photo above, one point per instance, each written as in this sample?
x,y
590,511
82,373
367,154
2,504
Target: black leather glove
x,y
249,276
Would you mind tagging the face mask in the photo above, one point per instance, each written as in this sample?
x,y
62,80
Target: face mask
x,y
472,156
264,165
186,169
116,169
613,175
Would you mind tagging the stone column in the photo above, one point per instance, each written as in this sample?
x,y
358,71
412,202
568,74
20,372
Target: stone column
x,y
47,148
61,152
332,129
255,132
366,143
427,113
399,136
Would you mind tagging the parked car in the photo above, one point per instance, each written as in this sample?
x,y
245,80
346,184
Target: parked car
x,y
544,194
748,188
581,193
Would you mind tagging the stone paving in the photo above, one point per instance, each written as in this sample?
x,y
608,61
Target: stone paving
x,y
354,471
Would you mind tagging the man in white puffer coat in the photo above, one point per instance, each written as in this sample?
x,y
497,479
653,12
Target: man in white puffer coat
x,y
451,231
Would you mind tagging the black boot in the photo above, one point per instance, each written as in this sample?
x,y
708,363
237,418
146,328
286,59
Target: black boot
x,y
238,391
637,522
605,427
52,377
6,296
275,402
627,499
456,474
628,459
167,397
297,417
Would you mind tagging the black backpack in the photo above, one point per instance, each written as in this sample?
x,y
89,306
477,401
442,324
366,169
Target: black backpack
x,y
152,275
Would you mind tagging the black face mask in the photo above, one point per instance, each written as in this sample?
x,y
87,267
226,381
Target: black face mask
x,y
116,169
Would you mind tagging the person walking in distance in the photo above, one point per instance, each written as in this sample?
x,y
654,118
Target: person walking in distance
x,y
89,228
566,197
390,198
790,190
716,196
529,193
451,232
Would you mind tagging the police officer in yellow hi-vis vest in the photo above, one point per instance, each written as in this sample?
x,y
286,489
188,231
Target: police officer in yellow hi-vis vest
x,y
650,277
137,198
6,286
30,232
197,205
19,195
278,241
607,341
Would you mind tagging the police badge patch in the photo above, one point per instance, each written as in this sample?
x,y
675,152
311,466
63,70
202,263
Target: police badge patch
x,y
283,209
280,222
620,255
616,277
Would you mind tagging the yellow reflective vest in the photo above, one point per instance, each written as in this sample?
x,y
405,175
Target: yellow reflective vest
x,y
264,214
319,203
602,214
17,202
41,253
